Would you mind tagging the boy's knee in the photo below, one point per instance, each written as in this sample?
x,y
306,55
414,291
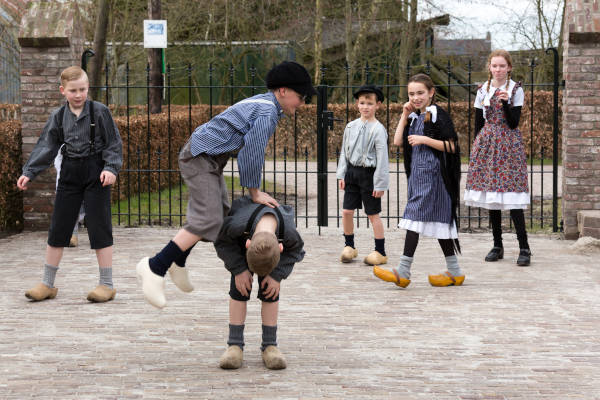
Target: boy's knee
x,y
348,213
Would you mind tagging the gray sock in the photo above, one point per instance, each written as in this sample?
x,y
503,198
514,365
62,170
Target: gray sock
x,y
404,266
49,275
452,265
269,336
236,336
106,276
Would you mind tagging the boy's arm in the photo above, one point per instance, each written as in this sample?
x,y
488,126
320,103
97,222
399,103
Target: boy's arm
x,y
229,250
45,150
293,252
381,177
342,163
113,153
252,156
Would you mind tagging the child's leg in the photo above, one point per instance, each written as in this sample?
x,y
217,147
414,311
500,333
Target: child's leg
x,y
447,246
53,257
410,246
269,312
233,357
348,226
104,257
377,224
237,320
104,291
518,217
271,354
497,252
174,251
496,221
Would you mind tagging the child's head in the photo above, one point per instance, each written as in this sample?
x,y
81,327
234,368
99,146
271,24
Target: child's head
x,y
291,84
499,66
368,99
420,91
263,252
74,86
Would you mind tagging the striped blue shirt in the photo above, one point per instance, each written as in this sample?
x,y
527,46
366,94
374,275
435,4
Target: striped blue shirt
x,y
245,126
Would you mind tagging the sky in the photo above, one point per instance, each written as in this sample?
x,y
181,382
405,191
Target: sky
x,y
473,18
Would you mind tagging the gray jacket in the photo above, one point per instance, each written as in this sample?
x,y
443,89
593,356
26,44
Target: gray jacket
x,y
230,243
365,145
76,139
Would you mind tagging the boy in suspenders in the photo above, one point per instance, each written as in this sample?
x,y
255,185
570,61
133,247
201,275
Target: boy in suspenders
x,y
256,239
245,127
92,158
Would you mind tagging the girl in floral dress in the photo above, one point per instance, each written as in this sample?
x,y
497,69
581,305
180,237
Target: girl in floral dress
x,y
497,177
432,164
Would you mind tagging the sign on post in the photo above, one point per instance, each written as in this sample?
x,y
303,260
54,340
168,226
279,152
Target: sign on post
x,y
155,34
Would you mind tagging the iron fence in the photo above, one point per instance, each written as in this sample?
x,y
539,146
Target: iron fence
x,y
294,172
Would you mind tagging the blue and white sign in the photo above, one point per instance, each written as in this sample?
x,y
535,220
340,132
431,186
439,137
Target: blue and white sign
x,y
155,34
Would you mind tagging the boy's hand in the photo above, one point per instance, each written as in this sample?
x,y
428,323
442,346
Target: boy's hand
x,y
22,182
107,178
243,283
263,198
377,193
342,184
270,287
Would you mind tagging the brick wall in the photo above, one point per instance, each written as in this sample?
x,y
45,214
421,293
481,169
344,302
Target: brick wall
x,y
45,53
581,111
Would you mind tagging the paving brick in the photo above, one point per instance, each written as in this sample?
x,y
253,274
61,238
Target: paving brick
x,y
507,333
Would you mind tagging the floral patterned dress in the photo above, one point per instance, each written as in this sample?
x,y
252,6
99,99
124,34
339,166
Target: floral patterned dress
x,y
497,177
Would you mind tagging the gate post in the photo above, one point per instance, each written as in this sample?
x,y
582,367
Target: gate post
x,y
51,38
322,122
555,143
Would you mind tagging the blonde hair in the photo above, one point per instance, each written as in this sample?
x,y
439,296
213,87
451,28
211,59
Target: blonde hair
x,y
71,73
428,82
263,253
499,53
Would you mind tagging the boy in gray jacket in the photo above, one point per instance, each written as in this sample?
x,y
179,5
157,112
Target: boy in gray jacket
x,y
262,240
363,173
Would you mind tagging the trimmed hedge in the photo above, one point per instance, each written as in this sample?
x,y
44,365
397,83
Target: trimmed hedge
x,y
11,198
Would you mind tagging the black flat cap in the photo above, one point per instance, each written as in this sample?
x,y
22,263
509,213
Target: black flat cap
x,y
292,75
369,89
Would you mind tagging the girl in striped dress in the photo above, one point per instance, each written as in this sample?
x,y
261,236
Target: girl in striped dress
x,y
432,164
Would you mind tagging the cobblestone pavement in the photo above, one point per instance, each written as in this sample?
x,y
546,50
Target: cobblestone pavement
x,y
508,333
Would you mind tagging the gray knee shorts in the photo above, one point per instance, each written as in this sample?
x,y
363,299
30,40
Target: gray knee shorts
x,y
208,203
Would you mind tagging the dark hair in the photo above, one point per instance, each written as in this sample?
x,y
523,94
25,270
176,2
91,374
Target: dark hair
x,y
425,80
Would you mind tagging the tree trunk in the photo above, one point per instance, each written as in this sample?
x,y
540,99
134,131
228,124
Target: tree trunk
x,y
99,46
407,46
155,62
362,33
318,40
348,31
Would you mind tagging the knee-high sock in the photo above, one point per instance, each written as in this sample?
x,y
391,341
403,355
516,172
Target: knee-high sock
x,y
518,217
496,221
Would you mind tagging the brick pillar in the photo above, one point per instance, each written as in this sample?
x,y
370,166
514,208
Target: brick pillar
x,y
51,39
581,112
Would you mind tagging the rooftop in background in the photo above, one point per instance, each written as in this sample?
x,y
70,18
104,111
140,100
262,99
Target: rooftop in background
x,y
463,47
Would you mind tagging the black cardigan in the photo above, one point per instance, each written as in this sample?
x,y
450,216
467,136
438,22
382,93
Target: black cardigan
x,y
442,129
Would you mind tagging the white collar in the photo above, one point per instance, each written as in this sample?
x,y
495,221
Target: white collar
x,y
432,109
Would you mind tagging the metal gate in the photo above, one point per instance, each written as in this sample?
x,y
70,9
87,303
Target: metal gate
x,y
298,170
